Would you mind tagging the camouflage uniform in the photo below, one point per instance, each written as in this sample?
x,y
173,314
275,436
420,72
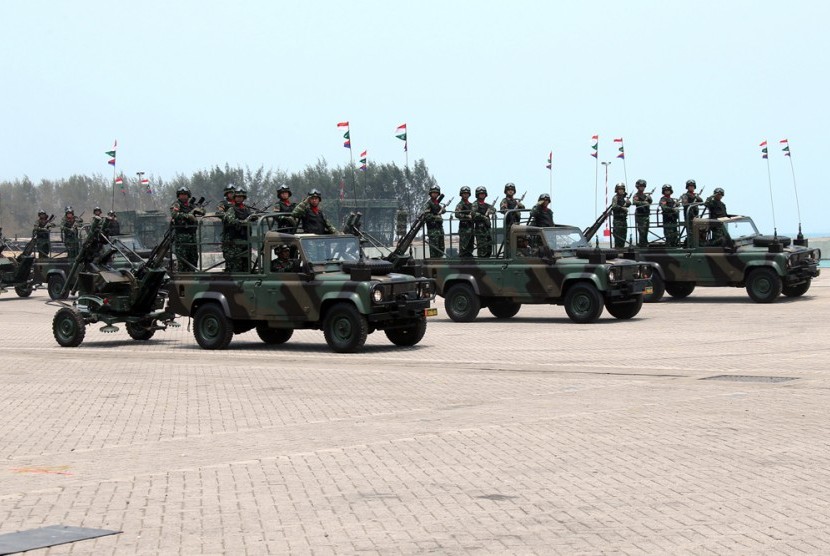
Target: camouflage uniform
x,y
669,207
238,252
69,235
111,227
642,201
311,218
481,226
509,203
41,233
716,210
435,227
184,234
541,216
687,199
620,222
285,222
280,264
464,213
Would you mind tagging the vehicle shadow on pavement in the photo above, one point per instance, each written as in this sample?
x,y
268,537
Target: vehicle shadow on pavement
x,y
302,347
730,300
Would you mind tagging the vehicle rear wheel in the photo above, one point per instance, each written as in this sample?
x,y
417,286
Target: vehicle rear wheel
x,y
211,328
763,285
141,331
461,303
658,288
679,290
345,328
68,327
583,303
408,335
797,290
54,285
503,309
625,308
23,290
273,336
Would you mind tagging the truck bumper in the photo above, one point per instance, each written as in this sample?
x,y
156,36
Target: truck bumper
x,y
627,289
396,314
801,274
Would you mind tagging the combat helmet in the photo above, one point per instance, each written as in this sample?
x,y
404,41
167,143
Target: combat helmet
x,y
544,197
668,188
240,193
692,183
181,190
68,209
619,186
283,189
719,191
315,193
481,189
228,189
464,190
640,183
111,213
41,212
509,185
435,189
96,210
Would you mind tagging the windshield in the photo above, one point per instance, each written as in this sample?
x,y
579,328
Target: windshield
x,y
331,249
564,238
741,229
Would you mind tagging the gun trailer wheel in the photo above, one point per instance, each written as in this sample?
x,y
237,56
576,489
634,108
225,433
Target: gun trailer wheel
x,y
68,327
140,331
54,286
408,335
211,328
274,336
345,328
23,290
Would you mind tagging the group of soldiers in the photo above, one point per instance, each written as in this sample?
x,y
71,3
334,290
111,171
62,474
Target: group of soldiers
x,y
236,217
70,226
670,210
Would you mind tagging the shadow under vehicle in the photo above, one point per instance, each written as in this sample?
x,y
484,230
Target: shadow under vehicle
x,y
325,283
725,252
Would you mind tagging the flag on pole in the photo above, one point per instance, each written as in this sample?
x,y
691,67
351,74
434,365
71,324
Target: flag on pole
x,y
595,145
621,149
763,146
145,182
111,153
400,133
119,181
786,147
363,159
550,161
343,124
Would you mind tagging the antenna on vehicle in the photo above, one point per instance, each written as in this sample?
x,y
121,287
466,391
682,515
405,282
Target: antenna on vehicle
x,y
765,156
785,146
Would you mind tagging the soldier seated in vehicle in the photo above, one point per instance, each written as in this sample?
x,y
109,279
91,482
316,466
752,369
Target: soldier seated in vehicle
x,y
523,248
283,261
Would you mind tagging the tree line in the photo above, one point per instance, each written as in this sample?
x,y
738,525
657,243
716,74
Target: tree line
x,y
20,199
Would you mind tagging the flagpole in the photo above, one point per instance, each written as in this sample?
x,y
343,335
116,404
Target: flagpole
x,y
607,229
771,201
550,185
112,204
595,154
789,154
625,169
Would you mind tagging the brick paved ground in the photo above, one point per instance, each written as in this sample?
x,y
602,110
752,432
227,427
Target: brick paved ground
x,y
533,435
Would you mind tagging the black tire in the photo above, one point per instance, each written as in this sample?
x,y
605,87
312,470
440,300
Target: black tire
x,y
68,327
242,326
141,331
409,335
625,309
378,267
54,285
23,290
797,290
211,328
503,309
274,336
679,290
583,303
345,328
763,285
658,288
461,303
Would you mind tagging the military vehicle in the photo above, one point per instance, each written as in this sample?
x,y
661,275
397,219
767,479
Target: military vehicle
x,y
16,270
324,283
556,268
766,266
108,295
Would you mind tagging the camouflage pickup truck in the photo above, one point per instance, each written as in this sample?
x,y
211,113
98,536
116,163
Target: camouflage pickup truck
x,y
304,281
556,267
738,256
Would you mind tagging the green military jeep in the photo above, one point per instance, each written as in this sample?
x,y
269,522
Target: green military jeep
x,y
304,281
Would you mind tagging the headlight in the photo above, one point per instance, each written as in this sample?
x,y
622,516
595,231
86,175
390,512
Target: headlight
x,y
424,290
791,260
612,274
645,272
377,295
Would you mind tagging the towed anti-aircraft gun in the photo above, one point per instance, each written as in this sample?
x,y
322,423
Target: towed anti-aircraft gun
x,y
132,295
16,270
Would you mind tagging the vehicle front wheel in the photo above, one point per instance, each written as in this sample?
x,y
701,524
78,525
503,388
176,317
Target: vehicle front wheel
x,y
658,288
274,336
23,290
461,303
54,285
141,331
583,303
211,328
797,290
679,290
345,328
68,327
763,285
408,335
503,309
625,308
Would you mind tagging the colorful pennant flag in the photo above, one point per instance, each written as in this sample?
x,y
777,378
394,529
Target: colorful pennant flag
x,y
347,136
111,153
550,161
786,147
621,149
363,158
119,181
763,146
145,182
400,133
343,124
595,146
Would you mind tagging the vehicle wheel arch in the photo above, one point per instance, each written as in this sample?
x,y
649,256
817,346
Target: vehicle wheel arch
x,y
460,279
752,265
210,297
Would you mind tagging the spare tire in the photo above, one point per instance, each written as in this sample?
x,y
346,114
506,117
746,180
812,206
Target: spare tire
x,y
591,252
377,267
766,241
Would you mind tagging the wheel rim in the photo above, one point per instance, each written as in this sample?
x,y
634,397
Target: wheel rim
x,y
210,328
763,286
342,329
460,304
66,328
56,287
582,304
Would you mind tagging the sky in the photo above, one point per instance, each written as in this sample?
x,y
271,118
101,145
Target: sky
x,y
487,90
